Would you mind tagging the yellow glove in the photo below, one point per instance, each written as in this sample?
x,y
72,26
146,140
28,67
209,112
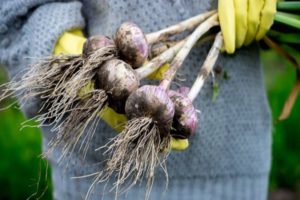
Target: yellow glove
x,y
71,42
243,21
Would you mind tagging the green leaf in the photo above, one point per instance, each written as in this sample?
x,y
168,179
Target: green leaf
x,y
288,6
288,19
293,38
226,75
291,15
216,91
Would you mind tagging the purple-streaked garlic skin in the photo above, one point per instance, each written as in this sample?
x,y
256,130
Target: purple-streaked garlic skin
x,y
132,44
183,90
119,80
151,101
96,42
185,118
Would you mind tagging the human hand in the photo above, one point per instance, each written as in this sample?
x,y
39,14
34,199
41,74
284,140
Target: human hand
x,y
243,21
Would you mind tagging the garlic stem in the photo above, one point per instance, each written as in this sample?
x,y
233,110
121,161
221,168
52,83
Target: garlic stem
x,y
158,61
207,67
157,50
184,51
185,25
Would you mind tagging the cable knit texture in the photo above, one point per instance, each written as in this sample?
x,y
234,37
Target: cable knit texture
x,y
228,158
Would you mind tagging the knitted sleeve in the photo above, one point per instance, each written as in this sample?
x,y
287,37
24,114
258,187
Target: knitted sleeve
x,y
29,30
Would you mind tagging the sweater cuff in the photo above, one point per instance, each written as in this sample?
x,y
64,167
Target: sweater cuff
x,y
246,187
48,23
234,187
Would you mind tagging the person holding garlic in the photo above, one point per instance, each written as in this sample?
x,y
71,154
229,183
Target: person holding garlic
x,y
227,158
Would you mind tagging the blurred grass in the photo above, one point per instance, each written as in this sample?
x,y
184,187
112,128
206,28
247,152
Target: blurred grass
x,y
279,77
23,173
21,167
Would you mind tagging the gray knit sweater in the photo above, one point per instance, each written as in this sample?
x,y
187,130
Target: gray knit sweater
x,y
228,158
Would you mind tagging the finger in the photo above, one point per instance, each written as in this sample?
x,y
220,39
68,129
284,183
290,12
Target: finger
x,y
179,144
58,50
267,18
254,11
77,32
227,22
89,87
71,43
113,119
159,74
241,10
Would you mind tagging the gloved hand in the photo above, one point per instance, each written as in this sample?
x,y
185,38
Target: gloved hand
x,y
243,21
71,42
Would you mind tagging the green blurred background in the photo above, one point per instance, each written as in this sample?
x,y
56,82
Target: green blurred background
x,y
23,174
